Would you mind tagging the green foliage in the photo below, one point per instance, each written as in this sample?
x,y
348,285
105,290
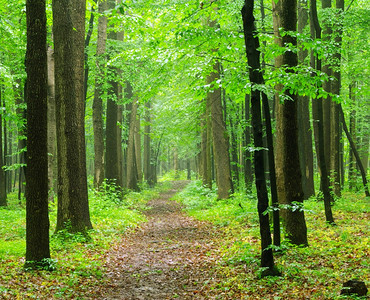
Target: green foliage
x,y
335,254
202,203
77,259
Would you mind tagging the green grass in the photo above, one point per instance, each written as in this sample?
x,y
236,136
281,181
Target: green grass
x,y
335,253
79,261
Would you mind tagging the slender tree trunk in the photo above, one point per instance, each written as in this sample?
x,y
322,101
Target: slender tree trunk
x,y
52,127
334,113
37,217
352,131
3,201
219,137
289,179
355,152
132,182
87,43
234,148
206,142
97,108
324,181
304,126
255,76
248,172
19,102
137,138
69,34
148,166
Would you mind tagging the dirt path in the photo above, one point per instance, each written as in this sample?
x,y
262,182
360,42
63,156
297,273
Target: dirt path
x,y
168,258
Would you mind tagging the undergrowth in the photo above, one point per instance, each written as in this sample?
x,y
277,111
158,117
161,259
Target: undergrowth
x,y
335,253
78,261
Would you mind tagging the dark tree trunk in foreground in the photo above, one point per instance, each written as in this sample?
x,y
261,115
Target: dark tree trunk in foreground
x,y
287,154
69,34
37,218
324,180
255,76
97,109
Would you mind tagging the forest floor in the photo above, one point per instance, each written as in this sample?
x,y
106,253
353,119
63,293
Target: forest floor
x,y
177,241
169,257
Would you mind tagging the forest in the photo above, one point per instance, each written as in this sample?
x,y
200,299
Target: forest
x,y
184,149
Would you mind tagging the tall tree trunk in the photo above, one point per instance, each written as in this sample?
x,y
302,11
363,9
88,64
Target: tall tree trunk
x,y
97,108
324,181
3,201
289,179
137,139
37,217
87,43
248,175
132,182
255,76
69,34
111,153
219,136
335,144
234,147
19,102
147,165
355,152
206,142
52,127
120,153
352,131
304,126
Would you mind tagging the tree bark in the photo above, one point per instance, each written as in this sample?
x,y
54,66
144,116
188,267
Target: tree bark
x,y
37,217
132,182
289,179
324,181
326,103
335,145
255,76
97,109
219,136
3,196
137,139
52,127
69,34
206,142
304,126
147,165
355,152
248,172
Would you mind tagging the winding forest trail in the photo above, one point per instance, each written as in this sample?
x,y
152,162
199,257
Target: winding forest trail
x,y
169,257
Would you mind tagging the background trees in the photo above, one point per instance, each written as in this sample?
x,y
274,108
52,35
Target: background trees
x,y
171,58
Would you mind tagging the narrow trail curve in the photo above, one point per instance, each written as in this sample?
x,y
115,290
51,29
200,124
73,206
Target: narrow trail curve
x,y
169,257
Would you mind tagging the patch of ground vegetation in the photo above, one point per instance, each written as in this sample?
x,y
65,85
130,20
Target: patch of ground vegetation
x,y
143,244
335,253
78,262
